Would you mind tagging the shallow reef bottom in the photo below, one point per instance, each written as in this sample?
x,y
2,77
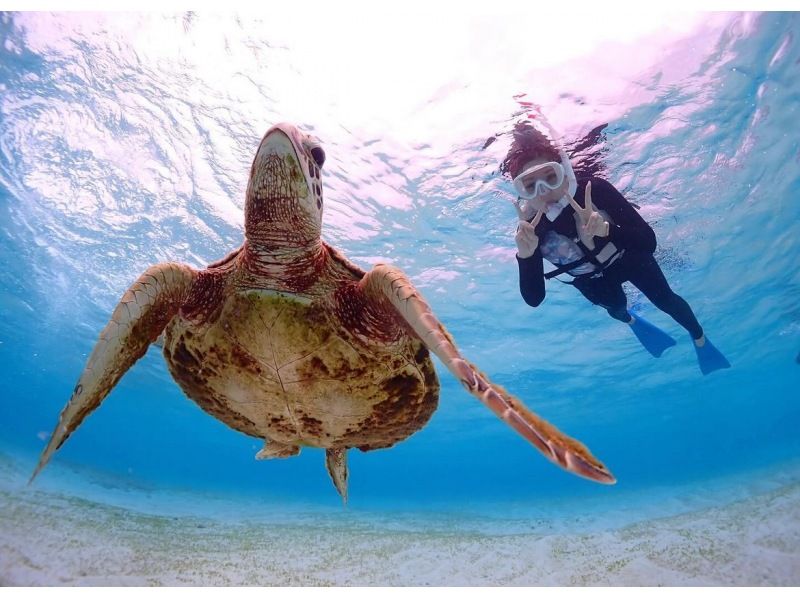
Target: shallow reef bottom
x,y
54,538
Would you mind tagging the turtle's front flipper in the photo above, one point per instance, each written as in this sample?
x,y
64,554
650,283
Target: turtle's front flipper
x,y
385,283
137,321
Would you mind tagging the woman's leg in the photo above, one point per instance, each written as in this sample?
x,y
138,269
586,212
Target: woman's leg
x,y
607,293
606,290
646,275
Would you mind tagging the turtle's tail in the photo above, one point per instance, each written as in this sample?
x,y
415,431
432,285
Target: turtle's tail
x,y
137,321
336,464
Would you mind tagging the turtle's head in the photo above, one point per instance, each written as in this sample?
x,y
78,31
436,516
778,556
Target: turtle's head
x,y
283,207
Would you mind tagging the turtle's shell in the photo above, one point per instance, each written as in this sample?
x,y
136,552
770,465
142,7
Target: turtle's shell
x,y
283,368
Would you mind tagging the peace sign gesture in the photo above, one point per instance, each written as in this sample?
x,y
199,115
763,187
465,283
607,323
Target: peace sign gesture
x,y
588,221
526,237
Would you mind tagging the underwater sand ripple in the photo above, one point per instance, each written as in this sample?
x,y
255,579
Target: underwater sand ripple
x,y
51,539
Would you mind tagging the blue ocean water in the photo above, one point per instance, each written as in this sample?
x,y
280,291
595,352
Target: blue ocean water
x,y
126,140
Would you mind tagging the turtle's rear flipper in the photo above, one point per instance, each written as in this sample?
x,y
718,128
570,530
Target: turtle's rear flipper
x,y
137,321
277,450
336,464
388,283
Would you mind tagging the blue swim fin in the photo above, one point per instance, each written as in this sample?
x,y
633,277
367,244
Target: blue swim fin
x,y
710,359
655,340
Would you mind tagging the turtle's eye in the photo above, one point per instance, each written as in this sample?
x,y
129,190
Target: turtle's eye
x,y
319,155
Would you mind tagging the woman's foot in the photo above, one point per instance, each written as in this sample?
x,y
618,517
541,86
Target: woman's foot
x,y
653,339
708,356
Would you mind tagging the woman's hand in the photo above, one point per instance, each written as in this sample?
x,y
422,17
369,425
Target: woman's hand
x,y
526,237
588,221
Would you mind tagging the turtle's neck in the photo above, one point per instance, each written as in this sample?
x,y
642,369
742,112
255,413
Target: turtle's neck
x,y
292,269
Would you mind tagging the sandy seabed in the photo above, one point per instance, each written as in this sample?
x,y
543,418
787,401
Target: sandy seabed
x,y
56,538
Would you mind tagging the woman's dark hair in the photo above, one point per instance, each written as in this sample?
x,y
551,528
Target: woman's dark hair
x,y
528,144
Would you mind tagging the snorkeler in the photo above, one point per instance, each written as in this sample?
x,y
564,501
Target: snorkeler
x,y
589,231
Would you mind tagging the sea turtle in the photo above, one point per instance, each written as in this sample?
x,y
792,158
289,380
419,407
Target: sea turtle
x,y
288,341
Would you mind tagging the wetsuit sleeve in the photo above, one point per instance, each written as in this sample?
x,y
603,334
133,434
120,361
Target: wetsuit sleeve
x,y
629,230
531,278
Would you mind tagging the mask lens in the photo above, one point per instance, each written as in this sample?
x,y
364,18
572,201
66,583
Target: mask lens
x,y
530,185
539,179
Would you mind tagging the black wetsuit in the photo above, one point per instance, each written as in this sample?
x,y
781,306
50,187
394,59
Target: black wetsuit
x,y
628,232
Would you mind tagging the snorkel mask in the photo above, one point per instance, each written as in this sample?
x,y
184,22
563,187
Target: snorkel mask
x,y
537,180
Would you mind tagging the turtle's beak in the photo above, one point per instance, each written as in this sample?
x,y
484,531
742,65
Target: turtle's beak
x,y
277,171
277,142
280,208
